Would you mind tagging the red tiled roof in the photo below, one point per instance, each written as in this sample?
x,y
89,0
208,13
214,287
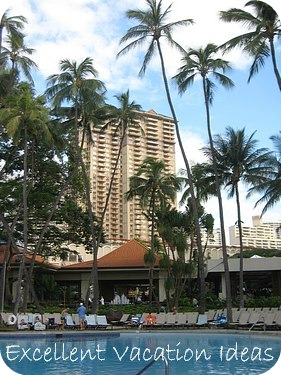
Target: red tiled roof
x,y
28,257
131,254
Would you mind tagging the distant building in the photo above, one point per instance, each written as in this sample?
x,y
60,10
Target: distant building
x,y
214,240
260,235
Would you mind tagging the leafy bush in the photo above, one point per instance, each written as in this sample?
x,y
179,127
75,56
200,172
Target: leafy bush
x,y
272,301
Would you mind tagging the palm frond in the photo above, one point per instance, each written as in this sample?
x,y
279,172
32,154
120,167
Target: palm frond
x,y
225,81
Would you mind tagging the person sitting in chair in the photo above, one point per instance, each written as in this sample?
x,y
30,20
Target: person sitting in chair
x,y
38,325
150,319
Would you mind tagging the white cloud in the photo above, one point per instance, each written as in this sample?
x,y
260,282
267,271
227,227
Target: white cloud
x,y
76,29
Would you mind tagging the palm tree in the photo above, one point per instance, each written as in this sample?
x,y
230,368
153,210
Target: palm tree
x,y
151,29
121,119
270,187
18,54
154,188
13,26
204,186
240,161
259,42
76,84
203,62
174,230
24,116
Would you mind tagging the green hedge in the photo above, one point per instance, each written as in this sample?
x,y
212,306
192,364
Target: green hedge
x,y
272,301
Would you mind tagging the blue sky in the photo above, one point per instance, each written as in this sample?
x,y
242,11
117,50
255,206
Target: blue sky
x,y
76,29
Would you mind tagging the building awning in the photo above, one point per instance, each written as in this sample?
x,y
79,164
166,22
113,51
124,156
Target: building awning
x,y
249,264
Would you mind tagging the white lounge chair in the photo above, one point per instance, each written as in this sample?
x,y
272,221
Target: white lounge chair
x,y
91,321
202,320
170,320
269,319
277,319
181,320
101,321
256,320
69,323
161,319
191,319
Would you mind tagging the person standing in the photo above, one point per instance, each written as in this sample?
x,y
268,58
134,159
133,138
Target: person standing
x,y
82,315
63,314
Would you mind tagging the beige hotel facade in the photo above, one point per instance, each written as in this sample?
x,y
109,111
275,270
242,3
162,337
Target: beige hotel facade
x,y
124,219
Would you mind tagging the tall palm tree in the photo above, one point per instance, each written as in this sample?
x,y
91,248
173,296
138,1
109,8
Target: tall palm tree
x,y
240,160
121,119
270,186
13,25
17,53
174,230
259,42
204,63
151,28
154,187
75,85
24,116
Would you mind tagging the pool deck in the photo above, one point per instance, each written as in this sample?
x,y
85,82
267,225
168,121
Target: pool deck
x,y
117,331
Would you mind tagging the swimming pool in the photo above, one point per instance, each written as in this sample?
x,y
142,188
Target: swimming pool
x,y
128,353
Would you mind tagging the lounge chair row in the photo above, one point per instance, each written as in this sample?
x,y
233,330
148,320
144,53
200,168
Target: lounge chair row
x,y
241,318
249,319
72,321
24,321
52,321
256,319
179,320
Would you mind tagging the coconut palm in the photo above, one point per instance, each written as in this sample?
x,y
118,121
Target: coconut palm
x,y
121,119
270,186
239,161
203,62
17,53
13,26
174,230
154,188
24,117
75,85
259,42
151,29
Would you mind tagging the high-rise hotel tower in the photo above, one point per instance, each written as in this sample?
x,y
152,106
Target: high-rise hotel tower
x,y
124,219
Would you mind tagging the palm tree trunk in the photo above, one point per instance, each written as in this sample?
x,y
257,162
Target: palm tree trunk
x,y
224,249
241,278
4,276
93,272
202,294
94,246
152,240
25,228
273,57
1,37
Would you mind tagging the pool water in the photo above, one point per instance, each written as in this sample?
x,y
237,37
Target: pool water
x,y
129,353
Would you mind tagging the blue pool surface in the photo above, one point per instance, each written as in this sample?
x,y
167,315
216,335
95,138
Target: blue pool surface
x,y
128,353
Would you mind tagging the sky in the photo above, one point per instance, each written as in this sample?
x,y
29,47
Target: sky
x,y
76,29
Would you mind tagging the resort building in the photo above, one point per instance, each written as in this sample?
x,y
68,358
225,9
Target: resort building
x,y
260,235
154,138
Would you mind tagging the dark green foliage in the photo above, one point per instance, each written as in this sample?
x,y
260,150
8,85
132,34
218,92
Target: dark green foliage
x,y
266,253
271,301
